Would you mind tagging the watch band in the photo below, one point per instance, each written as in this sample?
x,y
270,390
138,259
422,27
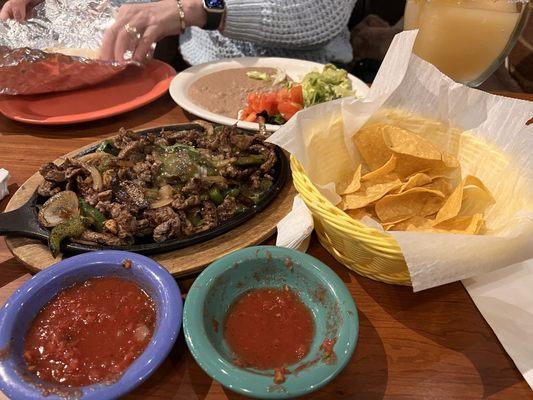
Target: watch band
x,y
215,11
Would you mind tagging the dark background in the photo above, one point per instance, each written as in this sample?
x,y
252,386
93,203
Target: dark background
x,y
390,10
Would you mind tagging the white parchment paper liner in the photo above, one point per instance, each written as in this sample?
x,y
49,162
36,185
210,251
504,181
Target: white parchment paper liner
x,y
320,138
505,300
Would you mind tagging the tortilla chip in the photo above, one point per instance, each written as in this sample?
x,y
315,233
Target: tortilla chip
x,y
358,213
383,173
470,225
414,223
355,184
443,185
406,142
452,206
476,198
416,180
371,146
413,202
449,160
430,196
369,195
407,165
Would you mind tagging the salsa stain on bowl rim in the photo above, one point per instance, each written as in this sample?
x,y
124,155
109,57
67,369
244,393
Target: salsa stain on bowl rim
x,y
331,304
21,308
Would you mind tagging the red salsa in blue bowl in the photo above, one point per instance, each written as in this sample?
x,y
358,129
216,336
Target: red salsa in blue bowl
x,y
90,332
92,327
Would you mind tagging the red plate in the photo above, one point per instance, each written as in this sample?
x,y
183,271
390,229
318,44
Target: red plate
x,y
132,89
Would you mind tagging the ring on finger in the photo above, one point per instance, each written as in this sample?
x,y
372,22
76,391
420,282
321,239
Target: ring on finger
x,y
132,31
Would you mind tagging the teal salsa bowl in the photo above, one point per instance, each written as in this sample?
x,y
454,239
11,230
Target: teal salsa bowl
x,y
218,286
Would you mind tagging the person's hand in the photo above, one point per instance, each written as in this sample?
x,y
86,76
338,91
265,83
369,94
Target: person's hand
x,y
138,26
18,9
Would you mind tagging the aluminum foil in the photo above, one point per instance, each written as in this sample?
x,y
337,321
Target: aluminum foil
x,y
25,68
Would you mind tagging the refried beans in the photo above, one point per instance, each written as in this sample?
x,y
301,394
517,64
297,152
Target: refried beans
x,y
225,92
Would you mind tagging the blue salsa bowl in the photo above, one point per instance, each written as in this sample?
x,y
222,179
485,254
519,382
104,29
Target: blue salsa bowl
x,y
21,308
218,286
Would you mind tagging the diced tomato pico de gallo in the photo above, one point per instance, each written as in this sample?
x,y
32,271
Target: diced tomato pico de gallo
x,y
279,106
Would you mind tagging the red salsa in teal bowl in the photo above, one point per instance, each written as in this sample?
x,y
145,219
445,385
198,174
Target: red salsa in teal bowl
x,y
269,328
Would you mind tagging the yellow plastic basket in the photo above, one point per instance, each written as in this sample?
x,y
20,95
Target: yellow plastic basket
x,y
375,253
370,252
365,250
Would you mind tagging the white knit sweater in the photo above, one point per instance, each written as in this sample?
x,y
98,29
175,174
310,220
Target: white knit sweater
x,y
307,29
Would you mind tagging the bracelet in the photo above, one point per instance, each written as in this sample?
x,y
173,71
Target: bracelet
x,y
181,12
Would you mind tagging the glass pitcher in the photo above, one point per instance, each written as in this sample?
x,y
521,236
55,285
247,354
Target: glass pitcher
x,y
466,39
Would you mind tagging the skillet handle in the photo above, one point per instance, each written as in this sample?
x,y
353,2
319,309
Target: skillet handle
x,y
22,222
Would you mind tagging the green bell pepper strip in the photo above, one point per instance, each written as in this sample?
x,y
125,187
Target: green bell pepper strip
x,y
253,159
215,196
195,219
107,146
71,228
232,192
95,217
194,155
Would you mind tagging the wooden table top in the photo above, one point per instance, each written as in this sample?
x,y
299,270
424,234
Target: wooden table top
x,y
430,345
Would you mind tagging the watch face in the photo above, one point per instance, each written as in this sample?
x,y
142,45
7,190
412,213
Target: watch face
x,y
214,4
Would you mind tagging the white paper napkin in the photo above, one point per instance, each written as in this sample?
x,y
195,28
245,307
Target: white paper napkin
x,y
505,299
4,177
294,231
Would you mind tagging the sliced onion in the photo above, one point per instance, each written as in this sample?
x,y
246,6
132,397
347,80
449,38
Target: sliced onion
x,y
161,203
279,77
141,332
98,184
59,208
166,191
97,157
214,179
224,162
201,172
165,197
206,125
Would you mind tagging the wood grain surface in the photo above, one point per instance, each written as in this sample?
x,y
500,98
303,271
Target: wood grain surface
x,y
36,256
429,345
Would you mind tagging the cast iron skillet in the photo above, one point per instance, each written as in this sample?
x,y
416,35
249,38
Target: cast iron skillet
x,y
23,221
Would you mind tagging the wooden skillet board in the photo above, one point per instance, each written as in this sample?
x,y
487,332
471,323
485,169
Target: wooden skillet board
x,y
36,256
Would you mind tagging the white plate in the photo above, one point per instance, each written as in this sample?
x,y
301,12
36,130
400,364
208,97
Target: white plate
x,y
295,69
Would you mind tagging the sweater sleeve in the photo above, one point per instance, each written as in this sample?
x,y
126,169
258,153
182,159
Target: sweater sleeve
x,y
287,23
